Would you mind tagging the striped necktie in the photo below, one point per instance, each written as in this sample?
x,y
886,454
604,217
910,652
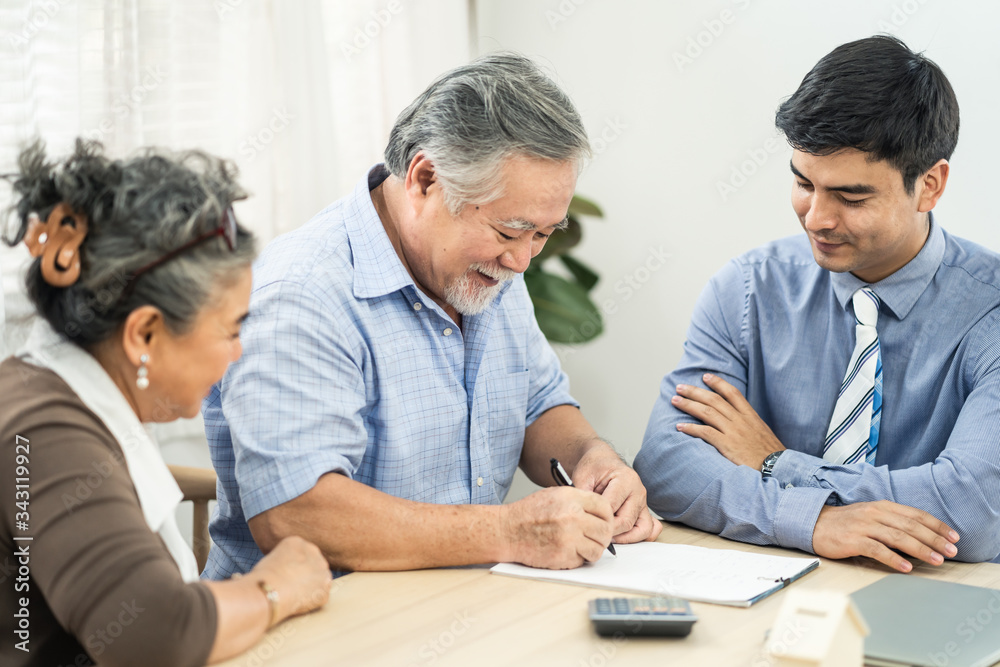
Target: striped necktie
x,y
853,432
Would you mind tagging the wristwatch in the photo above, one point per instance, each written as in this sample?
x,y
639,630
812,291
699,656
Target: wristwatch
x,y
772,458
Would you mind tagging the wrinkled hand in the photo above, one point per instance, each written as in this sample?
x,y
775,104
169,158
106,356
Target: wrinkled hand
x,y
601,470
874,529
557,528
729,423
299,572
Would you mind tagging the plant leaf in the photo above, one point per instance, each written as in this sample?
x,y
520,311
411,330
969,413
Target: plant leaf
x,y
583,273
560,241
563,309
583,206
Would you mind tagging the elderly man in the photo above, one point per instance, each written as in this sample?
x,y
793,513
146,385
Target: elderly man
x,y
845,382
394,376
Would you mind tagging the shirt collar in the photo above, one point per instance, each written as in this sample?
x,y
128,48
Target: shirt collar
x,y
900,290
377,268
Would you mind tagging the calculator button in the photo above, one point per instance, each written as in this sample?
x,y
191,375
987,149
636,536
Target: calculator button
x,y
660,616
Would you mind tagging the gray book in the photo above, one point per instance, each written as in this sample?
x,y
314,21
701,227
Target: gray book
x,y
917,621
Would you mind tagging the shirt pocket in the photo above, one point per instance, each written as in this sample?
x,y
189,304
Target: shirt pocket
x,y
507,407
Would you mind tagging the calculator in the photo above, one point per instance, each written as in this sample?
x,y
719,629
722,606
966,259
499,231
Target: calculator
x,y
632,617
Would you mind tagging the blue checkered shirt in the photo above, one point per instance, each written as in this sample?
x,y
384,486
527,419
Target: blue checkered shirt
x,y
781,330
347,367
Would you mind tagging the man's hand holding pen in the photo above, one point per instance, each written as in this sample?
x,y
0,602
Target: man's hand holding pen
x,y
572,523
557,528
602,471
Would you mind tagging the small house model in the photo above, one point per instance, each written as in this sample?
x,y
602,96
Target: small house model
x,y
816,628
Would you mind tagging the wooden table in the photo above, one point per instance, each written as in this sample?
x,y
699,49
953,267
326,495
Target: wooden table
x,y
470,617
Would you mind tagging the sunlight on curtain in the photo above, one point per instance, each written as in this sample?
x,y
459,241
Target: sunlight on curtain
x,y
301,95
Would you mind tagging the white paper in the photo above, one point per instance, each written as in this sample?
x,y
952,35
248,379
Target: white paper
x,y
721,576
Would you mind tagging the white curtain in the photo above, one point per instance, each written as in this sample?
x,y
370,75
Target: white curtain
x,y
301,94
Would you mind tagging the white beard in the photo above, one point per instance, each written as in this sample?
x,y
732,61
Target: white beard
x,y
470,297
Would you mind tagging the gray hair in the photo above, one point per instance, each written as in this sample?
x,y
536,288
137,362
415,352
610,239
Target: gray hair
x,y
138,210
471,119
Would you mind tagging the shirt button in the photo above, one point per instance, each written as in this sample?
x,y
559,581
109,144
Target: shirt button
x,y
447,332
479,482
789,486
418,306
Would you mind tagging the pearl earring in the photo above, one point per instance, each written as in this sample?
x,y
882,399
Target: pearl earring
x,y
142,381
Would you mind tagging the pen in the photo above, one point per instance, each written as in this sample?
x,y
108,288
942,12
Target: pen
x,y
562,479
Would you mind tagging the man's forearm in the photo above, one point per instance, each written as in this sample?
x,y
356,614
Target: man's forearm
x,y
688,480
594,466
957,489
360,528
560,432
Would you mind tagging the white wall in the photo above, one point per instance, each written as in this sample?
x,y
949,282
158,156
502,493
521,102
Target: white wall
x,y
675,131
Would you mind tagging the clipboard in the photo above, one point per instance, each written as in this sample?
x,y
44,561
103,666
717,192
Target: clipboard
x,y
718,576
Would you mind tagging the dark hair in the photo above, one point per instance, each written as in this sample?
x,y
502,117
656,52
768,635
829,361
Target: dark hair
x,y
877,96
138,210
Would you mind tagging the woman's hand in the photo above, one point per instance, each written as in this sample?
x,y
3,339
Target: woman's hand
x,y
297,570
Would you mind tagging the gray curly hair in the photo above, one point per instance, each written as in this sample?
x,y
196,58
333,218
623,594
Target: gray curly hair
x,y
471,119
138,210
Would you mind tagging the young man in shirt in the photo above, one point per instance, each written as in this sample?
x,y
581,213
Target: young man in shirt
x,y
810,412
394,376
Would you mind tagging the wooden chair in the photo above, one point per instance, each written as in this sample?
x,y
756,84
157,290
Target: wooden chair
x,y
198,486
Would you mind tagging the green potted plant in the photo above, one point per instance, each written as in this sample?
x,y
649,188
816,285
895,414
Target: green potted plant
x,y
563,307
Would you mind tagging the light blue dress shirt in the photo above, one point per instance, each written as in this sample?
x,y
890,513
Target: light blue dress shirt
x,y
781,330
347,367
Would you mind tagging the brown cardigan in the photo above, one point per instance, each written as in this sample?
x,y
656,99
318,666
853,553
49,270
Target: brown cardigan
x,y
99,581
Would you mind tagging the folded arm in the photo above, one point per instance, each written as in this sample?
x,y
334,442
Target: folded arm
x,y
960,489
707,474
866,528
689,480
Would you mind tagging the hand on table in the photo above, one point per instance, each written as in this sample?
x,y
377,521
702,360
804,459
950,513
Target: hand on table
x,y
601,470
874,529
297,570
557,528
729,423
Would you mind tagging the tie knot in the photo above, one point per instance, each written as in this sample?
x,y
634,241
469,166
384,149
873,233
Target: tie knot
x,y
866,304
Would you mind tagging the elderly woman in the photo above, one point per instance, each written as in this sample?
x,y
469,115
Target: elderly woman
x,y
142,280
